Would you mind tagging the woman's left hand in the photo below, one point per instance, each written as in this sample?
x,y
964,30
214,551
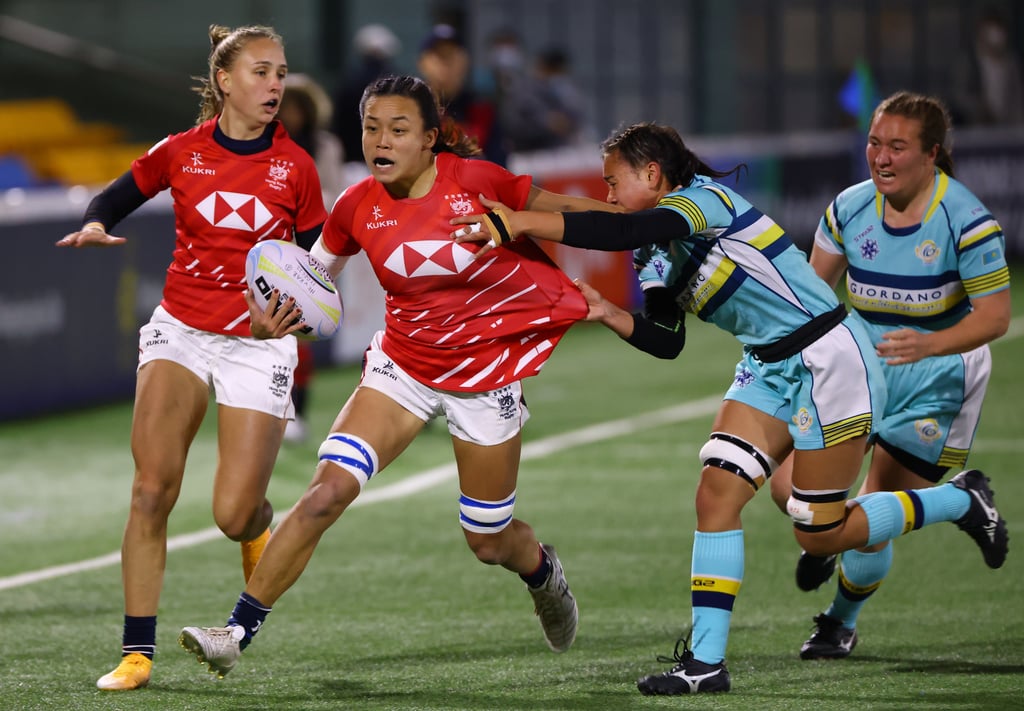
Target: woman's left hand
x,y
903,346
597,305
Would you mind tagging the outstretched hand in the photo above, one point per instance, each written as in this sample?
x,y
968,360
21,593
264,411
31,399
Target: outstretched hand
x,y
90,237
476,229
273,321
597,305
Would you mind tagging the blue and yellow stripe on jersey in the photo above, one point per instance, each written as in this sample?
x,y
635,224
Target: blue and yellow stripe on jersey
x,y
688,209
982,230
736,268
941,186
988,283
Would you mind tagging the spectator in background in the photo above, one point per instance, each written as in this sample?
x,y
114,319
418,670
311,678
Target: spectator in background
x,y
444,63
305,112
990,84
566,105
537,105
376,48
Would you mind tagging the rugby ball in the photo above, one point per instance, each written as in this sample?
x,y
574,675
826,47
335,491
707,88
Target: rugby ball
x,y
294,272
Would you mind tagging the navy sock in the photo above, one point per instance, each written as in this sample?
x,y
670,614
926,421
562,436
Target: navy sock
x,y
249,614
539,576
139,636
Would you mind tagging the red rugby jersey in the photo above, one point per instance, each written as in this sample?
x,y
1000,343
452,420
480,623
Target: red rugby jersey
x,y
224,203
450,322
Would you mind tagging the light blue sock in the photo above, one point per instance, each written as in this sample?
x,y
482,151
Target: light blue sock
x,y
943,503
716,574
860,575
891,514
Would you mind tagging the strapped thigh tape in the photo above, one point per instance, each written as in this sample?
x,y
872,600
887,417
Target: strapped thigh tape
x,y
485,516
738,456
814,511
352,454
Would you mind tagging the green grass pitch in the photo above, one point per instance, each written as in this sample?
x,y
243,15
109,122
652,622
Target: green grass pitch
x,y
395,613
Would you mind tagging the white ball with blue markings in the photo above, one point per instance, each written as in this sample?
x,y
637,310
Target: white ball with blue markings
x,y
287,267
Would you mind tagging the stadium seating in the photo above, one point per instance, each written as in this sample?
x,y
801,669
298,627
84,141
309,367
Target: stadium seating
x,y
49,143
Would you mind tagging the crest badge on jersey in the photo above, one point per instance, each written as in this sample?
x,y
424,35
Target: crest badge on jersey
x,y
460,203
277,174
927,251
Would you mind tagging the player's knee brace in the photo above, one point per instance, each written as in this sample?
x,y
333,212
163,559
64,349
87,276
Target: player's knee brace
x,y
738,456
352,454
817,510
485,516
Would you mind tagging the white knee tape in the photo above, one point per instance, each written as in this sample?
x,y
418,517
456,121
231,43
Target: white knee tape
x,y
799,511
485,516
352,454
738,456
820,510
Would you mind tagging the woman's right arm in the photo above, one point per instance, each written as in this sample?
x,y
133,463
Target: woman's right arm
x,y
547,201
829,266
110,206
333,262
603,231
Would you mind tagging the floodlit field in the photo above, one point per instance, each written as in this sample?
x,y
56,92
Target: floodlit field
x,y
395,613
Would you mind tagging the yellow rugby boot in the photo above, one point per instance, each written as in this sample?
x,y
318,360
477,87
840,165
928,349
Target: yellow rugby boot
x,y
132,673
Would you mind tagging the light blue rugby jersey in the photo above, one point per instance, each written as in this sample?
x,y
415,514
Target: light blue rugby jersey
x,y
738,269
919,276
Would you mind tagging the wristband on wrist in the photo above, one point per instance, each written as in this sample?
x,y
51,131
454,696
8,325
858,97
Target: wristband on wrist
x,y
499,227
94,226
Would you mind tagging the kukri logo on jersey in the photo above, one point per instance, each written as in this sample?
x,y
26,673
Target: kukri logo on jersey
x,y
197,166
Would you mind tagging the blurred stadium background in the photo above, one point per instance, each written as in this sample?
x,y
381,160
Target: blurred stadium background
x,y
782,85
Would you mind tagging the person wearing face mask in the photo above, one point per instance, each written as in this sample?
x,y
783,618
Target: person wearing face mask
x,y
531,117
445,64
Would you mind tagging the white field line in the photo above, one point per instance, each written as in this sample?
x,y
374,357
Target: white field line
x,y
432,477
415,483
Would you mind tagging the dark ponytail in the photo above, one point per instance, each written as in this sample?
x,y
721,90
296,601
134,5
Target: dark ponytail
x,y
643,143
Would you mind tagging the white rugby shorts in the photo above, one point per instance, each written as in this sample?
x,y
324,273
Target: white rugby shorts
x,y
484,418
240,372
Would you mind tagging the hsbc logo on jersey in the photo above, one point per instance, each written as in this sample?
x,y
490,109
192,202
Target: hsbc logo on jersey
x,y
429,258
236,211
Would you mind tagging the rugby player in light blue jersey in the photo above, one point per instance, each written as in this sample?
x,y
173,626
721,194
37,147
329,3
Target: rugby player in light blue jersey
x,y
927,276
809,380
